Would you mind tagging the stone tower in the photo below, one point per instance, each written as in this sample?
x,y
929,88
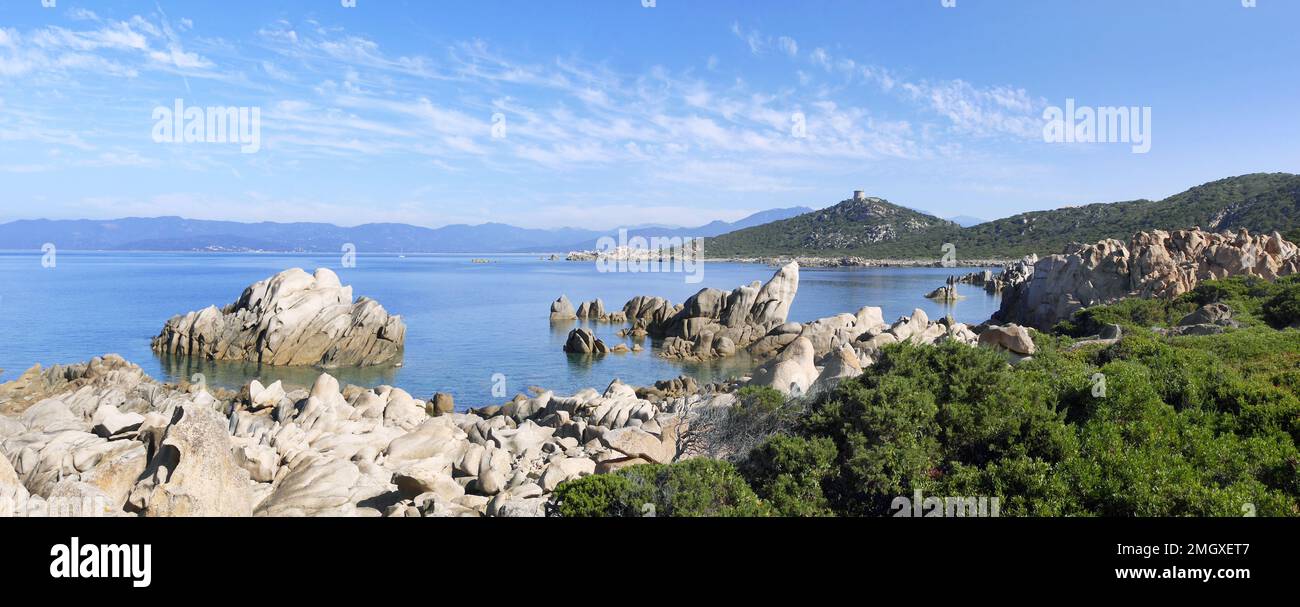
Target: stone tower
x,y
859,195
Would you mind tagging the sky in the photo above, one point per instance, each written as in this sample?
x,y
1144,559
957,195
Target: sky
x,y
603,113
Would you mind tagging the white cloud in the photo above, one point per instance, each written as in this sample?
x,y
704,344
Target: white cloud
x,y
82,14
788,45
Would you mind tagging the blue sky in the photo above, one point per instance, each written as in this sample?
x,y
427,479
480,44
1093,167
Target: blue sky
x,y
620,114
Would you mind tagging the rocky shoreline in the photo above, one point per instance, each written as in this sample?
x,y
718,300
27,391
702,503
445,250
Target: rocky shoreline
x,y
103,439
777,261
107,439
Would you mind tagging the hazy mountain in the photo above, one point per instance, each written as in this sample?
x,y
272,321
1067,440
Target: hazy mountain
x,y
1258,202
966,221
179,234
709,230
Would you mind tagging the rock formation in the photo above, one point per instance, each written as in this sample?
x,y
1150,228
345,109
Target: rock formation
x,y
292,318
562,309
714,323
945,294
1153,264
329,451
583,341
809,357
1012,338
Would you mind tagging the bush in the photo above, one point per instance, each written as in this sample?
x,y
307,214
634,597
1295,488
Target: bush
x,y
731,432
921,414
1130,314
1148,426
788,471
597,495
1283,309
696,487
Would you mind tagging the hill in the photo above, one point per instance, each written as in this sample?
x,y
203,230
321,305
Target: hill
x,y
1258,202
851,225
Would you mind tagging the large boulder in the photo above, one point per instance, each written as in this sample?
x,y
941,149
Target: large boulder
x,y
843,363
583,341
565,469
1209,314
562,309
1008,337
635,442
292,318
194,473
316,486
792,372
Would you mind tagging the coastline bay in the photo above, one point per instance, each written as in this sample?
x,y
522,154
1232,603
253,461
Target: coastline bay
x,y
469,324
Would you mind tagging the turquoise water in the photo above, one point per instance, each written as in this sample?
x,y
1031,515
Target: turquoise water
x,y
466,322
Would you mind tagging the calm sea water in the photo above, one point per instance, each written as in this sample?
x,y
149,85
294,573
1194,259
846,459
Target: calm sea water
x,y
466,322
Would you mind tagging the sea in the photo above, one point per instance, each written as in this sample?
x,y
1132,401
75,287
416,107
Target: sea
x,y
477,325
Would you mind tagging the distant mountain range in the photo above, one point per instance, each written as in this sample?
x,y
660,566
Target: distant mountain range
x,y
876,228
871,227
966,221
179,234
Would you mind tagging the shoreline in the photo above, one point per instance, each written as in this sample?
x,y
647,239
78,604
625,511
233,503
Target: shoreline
x,y
861,262
768,260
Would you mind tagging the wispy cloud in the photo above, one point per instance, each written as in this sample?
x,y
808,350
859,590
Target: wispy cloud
x,y
328,94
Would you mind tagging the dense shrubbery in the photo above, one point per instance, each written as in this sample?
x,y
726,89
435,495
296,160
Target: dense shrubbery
x,y
1148,426
1253,300
1283,308
1129,313
789,471
1173,430
696,487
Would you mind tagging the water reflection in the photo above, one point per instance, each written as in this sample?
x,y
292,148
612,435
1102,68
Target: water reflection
x,y
234,375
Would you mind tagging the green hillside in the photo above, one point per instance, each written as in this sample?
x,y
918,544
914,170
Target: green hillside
x,y
851,225
1258,202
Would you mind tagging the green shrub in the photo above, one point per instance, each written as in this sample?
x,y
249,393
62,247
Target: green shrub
x,y
1283,308
696,487
761,406
610,495
1129,314
1148,426
788,471
761,397
923,412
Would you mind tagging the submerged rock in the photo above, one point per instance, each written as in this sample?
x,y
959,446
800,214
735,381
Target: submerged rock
x,y
582,341
562,309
